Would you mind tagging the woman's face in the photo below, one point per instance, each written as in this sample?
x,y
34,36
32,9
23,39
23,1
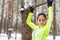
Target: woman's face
x,y
41,20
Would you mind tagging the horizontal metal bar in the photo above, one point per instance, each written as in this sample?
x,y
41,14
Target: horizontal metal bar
x,y
40,4
35,6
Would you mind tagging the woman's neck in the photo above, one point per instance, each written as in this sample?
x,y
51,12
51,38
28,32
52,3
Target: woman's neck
x,y
41,26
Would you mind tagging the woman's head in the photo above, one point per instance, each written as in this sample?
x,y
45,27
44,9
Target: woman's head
x,y
41,19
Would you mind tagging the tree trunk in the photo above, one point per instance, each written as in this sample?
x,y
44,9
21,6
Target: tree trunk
x,y
35,1
2,15
26,30
43,6
54,28
9,18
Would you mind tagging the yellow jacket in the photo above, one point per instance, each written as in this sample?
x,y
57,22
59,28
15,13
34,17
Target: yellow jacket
x,y
40,33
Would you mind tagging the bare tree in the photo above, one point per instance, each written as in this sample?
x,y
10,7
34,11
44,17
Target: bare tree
x,y
16,27
9,12
35,1
43,7
54,28
12,11
2,15
25,29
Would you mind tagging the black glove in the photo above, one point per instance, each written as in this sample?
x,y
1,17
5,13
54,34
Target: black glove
x,y
49,2
31,8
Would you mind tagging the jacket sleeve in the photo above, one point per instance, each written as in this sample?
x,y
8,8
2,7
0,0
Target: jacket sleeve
x,y
49,21
28,21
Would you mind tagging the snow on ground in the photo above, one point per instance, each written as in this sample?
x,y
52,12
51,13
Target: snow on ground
x,y
3,36
18,36
50,37
14,36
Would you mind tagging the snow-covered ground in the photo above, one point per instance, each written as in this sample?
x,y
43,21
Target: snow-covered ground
x,y
14,36
18,36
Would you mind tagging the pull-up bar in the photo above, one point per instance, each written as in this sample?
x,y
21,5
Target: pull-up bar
x,y
40,4
23,9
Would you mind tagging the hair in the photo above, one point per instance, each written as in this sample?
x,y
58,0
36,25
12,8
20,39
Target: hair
x,y
41,14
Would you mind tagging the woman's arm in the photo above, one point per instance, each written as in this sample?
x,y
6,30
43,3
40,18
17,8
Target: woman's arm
x,y
28,21
49,21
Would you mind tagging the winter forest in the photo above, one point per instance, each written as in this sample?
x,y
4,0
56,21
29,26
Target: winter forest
x,y
13,23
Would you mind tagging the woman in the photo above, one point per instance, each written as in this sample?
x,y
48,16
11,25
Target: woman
x,y
42,30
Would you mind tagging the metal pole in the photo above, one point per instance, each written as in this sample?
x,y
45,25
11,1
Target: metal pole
x,y
41,4
35,5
